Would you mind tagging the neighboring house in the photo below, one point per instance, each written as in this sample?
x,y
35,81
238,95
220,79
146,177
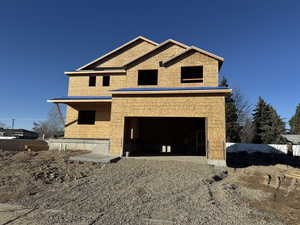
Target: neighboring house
x,y
17,133
149,98
292,138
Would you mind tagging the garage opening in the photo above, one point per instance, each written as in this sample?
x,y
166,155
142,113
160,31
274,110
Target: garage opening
x,y
158,136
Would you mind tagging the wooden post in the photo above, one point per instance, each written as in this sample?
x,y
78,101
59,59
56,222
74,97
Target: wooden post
x,y
207,149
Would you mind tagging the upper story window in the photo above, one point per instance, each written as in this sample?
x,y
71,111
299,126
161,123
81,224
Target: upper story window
x,y
92,81
147,77
106,81
86,117
192,74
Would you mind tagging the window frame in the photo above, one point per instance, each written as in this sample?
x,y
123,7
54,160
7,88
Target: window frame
x,y
186,78
155,81
92,83
103,81
86,122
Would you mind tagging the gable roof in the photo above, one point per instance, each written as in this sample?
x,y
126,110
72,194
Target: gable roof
x,y
139,38
193,48
74,99
156,48
88,72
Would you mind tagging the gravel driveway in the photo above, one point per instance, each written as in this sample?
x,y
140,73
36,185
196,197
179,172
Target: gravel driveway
x,y
132,191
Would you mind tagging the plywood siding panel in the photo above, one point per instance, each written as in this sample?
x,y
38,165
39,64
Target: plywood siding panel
x,y
128,55
79,85
210,107
102,127
169,76
153,63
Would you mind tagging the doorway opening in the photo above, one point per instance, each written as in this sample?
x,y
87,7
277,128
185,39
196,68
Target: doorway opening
x,y
158,136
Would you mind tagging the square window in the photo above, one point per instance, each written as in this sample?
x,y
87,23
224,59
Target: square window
x,y
86,117
147,77
92,81
106,81
192,74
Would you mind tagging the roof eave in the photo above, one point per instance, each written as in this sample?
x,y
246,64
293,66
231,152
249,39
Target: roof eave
x,y
95,72
79,101
224,91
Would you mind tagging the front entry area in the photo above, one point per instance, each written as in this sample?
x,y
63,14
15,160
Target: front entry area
x,y
158,136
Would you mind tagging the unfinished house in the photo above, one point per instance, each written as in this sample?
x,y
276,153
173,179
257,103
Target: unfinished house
x,y
146,98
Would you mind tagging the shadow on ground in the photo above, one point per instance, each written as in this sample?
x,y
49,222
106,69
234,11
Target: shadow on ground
x,y
244,159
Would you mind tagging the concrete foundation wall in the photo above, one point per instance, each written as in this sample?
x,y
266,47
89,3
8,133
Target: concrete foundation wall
x,y
96,146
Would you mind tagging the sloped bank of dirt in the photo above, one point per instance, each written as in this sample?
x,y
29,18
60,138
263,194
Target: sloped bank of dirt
x,y
271,189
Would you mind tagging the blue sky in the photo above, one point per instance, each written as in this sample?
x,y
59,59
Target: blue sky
x,y
39,40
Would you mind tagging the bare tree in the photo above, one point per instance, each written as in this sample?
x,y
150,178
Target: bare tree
x,y
52,127
244,120
243,107
247,132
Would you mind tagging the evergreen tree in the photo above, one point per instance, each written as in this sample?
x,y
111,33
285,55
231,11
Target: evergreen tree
x,y
295,122
268,126
231,112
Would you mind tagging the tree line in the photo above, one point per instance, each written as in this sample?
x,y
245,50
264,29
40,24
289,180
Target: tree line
x,y
260,125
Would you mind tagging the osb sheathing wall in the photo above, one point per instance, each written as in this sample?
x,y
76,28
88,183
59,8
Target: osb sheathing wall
x,y
79,85
169,76
127,55
210,107
102,127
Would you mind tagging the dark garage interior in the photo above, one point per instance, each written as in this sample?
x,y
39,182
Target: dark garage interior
x,y
158,136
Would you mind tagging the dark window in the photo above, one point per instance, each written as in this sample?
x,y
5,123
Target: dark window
x,y
86,117
106,80
147,77
192,74
92,81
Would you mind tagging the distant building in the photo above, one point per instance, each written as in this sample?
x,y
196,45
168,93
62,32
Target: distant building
x,y
18,133
292,138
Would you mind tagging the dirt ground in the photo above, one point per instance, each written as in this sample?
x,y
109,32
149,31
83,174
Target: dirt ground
x,y
43,188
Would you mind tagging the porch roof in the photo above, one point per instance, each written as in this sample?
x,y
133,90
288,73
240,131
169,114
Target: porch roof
x,y
70,99
172,90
